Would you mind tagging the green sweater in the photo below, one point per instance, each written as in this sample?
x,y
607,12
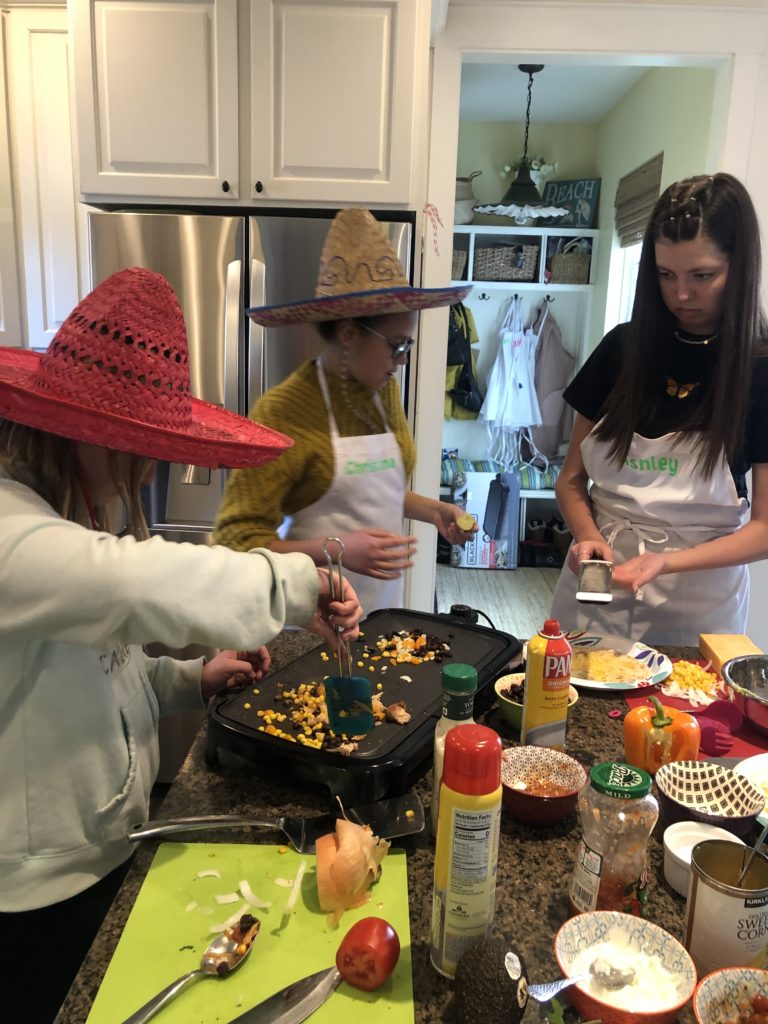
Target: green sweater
x,y
257,500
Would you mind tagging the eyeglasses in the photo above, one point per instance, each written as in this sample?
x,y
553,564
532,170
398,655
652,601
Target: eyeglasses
x,y
400,348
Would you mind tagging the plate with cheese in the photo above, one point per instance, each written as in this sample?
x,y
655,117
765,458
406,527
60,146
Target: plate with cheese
x,y
615,663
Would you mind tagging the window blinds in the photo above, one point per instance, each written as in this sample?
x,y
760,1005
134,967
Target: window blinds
x,y
636,195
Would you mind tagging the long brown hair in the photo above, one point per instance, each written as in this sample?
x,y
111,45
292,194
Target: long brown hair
x,y
49,465
719,208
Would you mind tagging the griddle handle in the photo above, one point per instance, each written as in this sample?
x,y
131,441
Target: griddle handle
x,y
156,829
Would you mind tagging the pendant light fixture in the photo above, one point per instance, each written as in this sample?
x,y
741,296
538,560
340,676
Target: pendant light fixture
x,y
522,199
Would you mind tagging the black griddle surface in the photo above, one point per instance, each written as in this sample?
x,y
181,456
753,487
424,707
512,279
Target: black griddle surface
x,y
487,650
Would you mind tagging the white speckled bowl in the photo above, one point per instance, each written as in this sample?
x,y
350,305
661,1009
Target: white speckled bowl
x,y
720,995
585,930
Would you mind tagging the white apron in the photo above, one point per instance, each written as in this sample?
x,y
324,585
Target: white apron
x,y
660,500
367,490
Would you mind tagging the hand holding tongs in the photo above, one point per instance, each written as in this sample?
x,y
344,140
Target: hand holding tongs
x,y
347,697
342,646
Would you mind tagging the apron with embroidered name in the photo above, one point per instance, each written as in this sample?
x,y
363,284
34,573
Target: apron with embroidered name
x,y
659,500
367,490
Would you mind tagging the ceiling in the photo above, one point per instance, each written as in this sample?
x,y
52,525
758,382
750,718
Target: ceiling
x,y
561,94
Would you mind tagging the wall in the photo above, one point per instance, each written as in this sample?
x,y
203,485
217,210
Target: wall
x,y
669,110
488,145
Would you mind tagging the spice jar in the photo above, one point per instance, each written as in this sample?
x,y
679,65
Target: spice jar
x,y
617,812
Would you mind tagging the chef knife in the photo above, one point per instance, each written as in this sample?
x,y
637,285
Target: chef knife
x,y
295,1002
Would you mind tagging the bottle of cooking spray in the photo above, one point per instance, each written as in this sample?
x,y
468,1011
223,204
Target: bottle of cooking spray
x,y
467,848
547,679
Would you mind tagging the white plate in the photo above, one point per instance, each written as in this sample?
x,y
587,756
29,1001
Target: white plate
x,y
755,769
658,665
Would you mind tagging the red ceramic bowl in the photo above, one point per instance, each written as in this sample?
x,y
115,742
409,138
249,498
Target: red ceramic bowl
x,y
539,785
585,930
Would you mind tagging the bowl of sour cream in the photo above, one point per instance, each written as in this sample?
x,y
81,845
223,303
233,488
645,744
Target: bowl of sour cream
x,y
664,974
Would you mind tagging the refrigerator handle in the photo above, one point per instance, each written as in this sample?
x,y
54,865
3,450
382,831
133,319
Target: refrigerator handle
x,y
256,335
231,334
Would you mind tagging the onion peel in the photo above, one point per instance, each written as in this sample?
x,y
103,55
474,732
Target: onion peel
x,y
348,863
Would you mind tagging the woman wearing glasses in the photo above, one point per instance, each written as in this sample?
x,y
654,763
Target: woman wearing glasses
x,y
347,474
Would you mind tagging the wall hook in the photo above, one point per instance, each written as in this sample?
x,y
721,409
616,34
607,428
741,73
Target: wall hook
x,y
549,298
484,296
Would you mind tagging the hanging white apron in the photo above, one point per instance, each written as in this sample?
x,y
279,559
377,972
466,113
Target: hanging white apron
x,y
367,490
659,500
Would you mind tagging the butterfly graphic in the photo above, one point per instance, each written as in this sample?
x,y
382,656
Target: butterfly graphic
x,y
675,390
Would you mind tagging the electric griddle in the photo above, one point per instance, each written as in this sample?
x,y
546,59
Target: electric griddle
x,y
392,756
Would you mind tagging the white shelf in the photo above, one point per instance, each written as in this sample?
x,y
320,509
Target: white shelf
x,y
470,233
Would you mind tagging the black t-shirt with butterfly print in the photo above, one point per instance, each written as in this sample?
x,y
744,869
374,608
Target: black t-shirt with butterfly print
x,y
682,381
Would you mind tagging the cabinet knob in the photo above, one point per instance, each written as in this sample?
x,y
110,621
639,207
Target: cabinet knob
x,y
259,187
225,186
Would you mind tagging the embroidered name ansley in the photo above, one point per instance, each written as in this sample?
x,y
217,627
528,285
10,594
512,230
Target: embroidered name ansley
x,y
654,465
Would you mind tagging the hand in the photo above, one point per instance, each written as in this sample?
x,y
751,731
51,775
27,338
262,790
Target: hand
x,y
638,571
330,614
378,553
233,668
445,518
581,551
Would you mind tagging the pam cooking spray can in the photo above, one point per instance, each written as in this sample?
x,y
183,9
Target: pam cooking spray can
x,y
467,847
547,679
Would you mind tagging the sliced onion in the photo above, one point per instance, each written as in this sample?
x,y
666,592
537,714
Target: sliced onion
x,y
227,897
348,862
284,883
294,893
192,905
250,896
244,909
210,873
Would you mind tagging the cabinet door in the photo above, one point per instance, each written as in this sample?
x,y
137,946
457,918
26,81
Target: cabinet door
x,y
156,89
47,222
332,99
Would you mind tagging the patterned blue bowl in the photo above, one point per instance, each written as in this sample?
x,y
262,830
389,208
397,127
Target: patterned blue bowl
x,y
585,930
721,995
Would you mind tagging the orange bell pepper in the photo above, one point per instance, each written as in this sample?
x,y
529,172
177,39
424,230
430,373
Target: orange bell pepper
x,y
653,736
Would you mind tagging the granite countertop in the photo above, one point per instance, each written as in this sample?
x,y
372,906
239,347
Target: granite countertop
x,y
534,862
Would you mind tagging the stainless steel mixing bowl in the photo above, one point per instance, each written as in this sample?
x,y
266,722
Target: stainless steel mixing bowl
x,y
748,676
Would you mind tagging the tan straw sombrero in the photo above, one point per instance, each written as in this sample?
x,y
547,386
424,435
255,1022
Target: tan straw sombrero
x,y
359,275
117,375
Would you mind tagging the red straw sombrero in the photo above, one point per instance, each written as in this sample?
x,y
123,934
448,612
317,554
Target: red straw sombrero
x,y
359,275
117,375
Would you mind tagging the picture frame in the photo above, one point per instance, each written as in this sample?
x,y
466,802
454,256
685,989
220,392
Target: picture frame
x,y
579,196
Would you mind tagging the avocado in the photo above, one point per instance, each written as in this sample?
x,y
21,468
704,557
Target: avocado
x,y
491,983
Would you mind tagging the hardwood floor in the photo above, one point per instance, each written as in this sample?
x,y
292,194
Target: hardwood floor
x,y
515,600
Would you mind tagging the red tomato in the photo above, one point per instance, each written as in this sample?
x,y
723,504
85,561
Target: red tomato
x,y
368,953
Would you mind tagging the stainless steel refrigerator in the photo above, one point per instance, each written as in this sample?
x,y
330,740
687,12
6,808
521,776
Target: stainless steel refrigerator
x,y
219,266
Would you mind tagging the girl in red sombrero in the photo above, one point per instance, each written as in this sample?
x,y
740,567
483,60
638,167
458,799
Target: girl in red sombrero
x,y
353,454
80,428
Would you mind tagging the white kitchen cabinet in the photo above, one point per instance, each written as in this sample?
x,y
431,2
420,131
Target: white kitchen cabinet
x,y
157,97
10,294
46,221
267,101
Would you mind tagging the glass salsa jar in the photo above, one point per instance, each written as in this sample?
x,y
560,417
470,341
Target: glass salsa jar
x,y
617,812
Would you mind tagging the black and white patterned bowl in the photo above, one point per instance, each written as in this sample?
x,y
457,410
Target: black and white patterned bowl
x,y
721,995
708,792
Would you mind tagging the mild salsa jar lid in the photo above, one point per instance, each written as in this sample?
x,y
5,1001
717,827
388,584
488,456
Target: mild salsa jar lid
x,y
614,778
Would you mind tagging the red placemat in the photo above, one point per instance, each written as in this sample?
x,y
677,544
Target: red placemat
x,y
746,740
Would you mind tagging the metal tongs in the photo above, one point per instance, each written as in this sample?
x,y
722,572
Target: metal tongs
x,y
347,697
343,652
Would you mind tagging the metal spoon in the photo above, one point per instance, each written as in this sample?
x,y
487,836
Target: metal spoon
x,y
751,856
224,955
605,974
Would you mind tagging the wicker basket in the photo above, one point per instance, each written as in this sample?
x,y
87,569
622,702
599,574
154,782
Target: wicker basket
x,y
458,263
570,268
506,263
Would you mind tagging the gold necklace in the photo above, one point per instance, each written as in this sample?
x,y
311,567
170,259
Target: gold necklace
x,y
696,341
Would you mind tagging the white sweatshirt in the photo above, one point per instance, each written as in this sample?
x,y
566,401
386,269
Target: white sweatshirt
x,y
80,700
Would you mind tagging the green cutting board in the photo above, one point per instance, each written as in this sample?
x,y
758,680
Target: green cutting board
x,y
163,940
